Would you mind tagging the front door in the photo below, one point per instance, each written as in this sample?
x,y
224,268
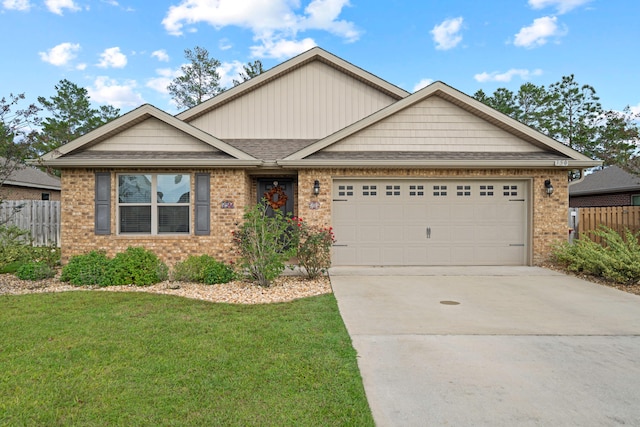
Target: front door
x,y
278,193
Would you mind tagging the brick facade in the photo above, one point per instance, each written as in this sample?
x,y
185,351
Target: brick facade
x,y
14,192
598,200
548,214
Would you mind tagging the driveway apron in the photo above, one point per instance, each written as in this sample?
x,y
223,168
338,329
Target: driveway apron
x,y
494,346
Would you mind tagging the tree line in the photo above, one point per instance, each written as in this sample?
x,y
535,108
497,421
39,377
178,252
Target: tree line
x,y
572,114
566,111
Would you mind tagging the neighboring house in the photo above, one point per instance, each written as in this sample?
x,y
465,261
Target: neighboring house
x,y
611,186
29,183
429,178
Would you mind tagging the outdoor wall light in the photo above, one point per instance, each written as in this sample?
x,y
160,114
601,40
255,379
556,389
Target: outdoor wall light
x,y
548,187
316,187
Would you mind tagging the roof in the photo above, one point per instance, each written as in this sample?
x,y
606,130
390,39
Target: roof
x,y
566,156
33,178
314,54
299,153
67,155
612,179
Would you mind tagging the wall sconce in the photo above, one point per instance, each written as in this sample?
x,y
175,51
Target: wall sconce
x,y
548,187
316,187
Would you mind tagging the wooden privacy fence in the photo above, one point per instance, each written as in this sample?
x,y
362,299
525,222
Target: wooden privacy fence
x,y
41,217
615,217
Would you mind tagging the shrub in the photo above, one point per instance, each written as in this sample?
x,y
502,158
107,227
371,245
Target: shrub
x,y
202,269
314,247
264,244
136,266
617,259
35,271
15,245
87,269
49,255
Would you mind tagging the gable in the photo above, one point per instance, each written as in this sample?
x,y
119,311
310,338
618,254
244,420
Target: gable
x,y
433,125
152,135
309,102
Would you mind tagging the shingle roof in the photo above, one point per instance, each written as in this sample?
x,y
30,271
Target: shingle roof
x,y
28,176
270,149
609,180
433,155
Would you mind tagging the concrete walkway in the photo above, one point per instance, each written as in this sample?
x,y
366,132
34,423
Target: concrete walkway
x,y
495,346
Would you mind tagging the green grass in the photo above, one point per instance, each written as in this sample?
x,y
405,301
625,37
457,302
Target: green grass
x,y
105,359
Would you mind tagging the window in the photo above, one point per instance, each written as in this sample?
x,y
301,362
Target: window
x,y
154,203
45,196
635,200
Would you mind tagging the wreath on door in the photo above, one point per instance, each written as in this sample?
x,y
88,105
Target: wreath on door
x,y
276,197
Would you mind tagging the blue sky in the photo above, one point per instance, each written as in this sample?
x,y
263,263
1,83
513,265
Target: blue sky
x,y
125,52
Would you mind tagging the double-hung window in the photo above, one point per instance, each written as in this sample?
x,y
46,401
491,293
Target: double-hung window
x,y
154,203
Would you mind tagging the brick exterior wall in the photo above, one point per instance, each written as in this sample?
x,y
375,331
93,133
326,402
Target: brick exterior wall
x,y
77,216
598,200
548,214
13,192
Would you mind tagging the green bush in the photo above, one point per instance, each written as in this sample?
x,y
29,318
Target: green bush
x,y
202,269
136,266
616,259
314,247
15,245
264,244
49,255
35,271
87,269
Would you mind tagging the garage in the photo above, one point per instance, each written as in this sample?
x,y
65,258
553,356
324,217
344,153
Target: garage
x,y
430,222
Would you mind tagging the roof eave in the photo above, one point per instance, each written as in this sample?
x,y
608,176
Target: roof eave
x,y
439,164
31,185
134,163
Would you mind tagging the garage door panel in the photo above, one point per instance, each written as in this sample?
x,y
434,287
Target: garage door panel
x,y
427,222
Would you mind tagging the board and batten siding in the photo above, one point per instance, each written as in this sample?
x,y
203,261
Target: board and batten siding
x,y
152,135
433,124
310,102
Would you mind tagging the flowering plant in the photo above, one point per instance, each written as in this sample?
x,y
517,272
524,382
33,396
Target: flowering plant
x,y
314,247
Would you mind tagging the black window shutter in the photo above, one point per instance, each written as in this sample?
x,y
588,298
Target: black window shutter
x,y
202,221
103,203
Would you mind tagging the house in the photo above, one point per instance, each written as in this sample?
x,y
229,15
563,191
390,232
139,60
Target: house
x,y
611,186
29,183
429,178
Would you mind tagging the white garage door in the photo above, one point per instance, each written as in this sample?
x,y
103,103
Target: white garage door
x,y
428,222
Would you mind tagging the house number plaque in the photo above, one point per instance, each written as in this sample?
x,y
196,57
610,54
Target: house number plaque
x,y
314,205
227,204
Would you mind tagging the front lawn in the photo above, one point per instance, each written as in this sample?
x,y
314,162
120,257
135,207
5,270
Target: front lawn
x,y
98,359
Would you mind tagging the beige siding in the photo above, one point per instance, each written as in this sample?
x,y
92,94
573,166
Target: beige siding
x,y
310,102
152,135
433,125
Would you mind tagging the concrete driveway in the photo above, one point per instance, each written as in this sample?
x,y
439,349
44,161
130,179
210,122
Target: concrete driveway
x,y
495,346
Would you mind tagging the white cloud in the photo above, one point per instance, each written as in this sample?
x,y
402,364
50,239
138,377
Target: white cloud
x,y
538,33
273,22
635,109
21,5
506,76
446,35
113,58
280,49
108,91
422,84
160,83
229,71
224,44
57,6
161,55
61,54
562,6
81,67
